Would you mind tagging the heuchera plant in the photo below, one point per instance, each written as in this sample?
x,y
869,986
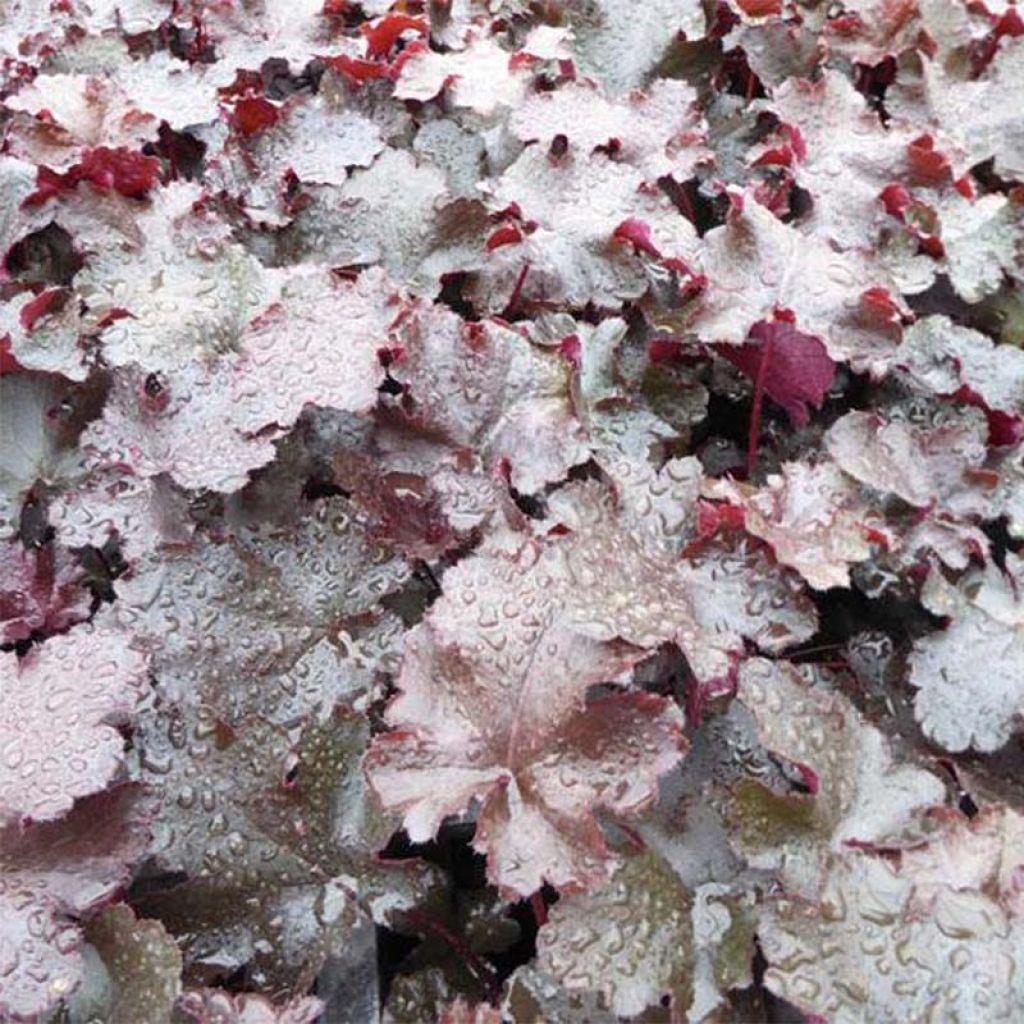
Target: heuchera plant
x,y
511,511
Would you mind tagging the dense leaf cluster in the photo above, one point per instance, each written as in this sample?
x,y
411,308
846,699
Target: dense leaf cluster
x,y
511,510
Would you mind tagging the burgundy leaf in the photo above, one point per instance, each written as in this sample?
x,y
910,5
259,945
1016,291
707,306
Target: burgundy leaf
x,y
42,591
793,369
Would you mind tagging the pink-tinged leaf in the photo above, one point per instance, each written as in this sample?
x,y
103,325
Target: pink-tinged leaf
x,y
944,357
871,943
317,346
970,675
947,359
487,387
44,333
920,462
855,789
577,201
61,116
845,156
624,586
61,702
813,517
506,721
659,501
42,591
405,511
984,853
868,31
355,69
144,513
446,496
657,130
54,874
119,170
638,234
778,50
794,369
214,1006
981,241
171,288
315,138
151,423
977,114
480,77
397,213
738,590
759,269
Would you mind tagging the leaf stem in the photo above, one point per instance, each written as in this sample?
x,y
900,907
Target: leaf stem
x,y
517,292
423,922
755,412
539,908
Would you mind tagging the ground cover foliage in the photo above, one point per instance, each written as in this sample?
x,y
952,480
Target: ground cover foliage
x,y
511,510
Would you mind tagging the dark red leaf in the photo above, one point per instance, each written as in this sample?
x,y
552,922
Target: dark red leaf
x,y
799,371
639,234
355,69
382,35
254,114
119,170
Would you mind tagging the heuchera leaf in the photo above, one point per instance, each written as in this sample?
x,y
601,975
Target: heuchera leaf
x,y
977,112
837,149
968,675
54,874
143,966
912,935
813,517
480,77
919,463
854,792
758,268
376,383
42,592
40,426
945,358
624,588
514,404
213,1006
255,605
43,333
275,848
634,935
621,47
656,130
794,369
151,422
507,721
68,690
